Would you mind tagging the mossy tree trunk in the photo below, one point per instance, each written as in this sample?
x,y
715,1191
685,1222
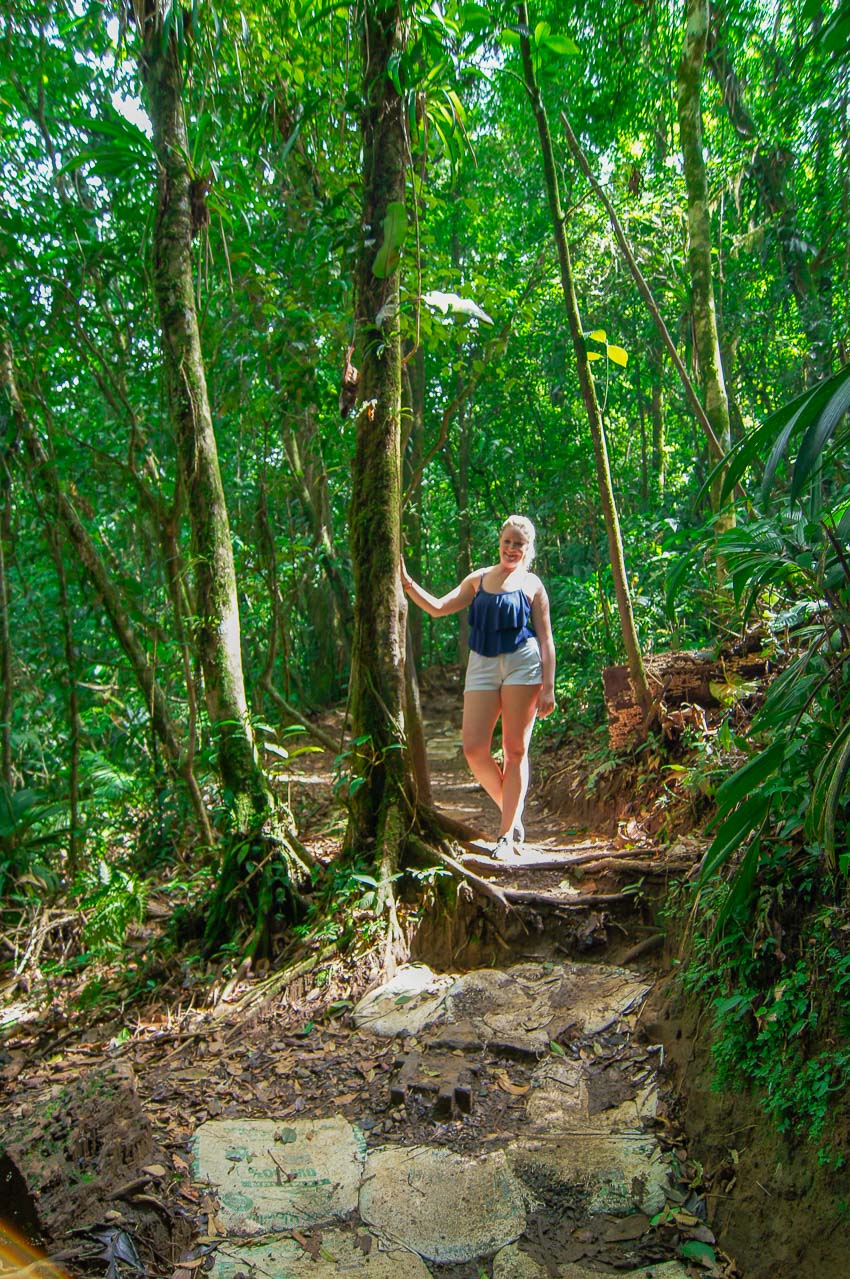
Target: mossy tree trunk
x,y
585,376
218,631
252,814
715,399
380,802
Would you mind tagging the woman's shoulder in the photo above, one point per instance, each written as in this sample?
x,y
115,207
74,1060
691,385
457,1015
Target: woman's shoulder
x,y
533,585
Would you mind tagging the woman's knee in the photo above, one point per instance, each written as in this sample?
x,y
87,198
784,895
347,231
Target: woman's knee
x,y
515,750
475,750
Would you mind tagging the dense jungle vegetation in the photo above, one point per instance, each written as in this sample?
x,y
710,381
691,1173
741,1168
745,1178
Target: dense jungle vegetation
x,y
590,263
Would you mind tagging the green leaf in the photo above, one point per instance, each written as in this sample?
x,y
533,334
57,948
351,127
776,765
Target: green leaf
x,y
617,355
821,429
750,776
395,232
733,832
562,45
697,1249
541,31
510,38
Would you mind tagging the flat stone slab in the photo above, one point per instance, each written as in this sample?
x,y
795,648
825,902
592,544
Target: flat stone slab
x,y
403,1006
356,1254
618,1173
280,1176
525,1007
567,1096
519,1009
446,1207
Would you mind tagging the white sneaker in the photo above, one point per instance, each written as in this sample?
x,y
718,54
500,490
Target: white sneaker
x,y
503,849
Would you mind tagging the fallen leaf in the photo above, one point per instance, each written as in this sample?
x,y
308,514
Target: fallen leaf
x,y
516,1090
155,1170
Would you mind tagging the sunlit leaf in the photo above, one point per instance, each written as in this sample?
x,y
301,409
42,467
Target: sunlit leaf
x,y
598,335
561,44
617,355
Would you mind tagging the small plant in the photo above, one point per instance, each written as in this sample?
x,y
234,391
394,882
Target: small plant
x,y
112,899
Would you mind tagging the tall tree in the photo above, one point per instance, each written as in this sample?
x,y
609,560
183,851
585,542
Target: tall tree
x,y
631,644
178,218
380,805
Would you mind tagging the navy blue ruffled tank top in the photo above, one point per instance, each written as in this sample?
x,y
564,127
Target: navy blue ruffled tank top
x,y
499,622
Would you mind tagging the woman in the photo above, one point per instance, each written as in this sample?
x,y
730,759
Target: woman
x,y
511,669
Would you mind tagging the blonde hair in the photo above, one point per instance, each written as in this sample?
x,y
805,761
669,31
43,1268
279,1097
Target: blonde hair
x,y
523,525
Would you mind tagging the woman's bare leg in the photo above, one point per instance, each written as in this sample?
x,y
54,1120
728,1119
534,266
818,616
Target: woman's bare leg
x,y
519,709
480,712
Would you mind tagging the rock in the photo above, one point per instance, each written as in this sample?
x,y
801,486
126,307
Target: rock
x,y
616,1174
446,1207
512,1263
337,1251
280,1176
568,1096
412,1000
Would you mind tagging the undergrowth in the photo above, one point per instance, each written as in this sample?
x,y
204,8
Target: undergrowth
x,y
776,985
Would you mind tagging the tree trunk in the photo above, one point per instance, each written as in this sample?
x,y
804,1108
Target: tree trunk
x,y
588,388
380,790
414,453
246,793
7,437
74,721
689,79
62,510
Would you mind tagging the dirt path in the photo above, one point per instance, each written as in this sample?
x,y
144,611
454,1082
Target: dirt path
x,y
502,1123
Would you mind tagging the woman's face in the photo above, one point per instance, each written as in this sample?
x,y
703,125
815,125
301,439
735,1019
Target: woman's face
x,y
512,547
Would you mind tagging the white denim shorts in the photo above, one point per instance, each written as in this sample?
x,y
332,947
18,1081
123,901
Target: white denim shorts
x,y
521,667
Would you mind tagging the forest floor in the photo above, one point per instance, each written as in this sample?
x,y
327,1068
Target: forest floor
x,y
138,1142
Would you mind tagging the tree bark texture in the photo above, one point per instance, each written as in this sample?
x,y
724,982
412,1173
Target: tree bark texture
x,y
585,376
689,81
381,787
218,629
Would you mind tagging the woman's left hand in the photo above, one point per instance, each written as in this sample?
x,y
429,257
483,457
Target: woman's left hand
x,y
545,702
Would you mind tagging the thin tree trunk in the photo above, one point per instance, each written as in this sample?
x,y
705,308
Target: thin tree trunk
x,y
6,667
689,81
414,453
74,722
588,389
62,510
659,445
379,803
248,798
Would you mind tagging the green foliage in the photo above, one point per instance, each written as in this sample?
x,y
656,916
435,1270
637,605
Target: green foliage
x,y
781,1023
111,898
790,564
